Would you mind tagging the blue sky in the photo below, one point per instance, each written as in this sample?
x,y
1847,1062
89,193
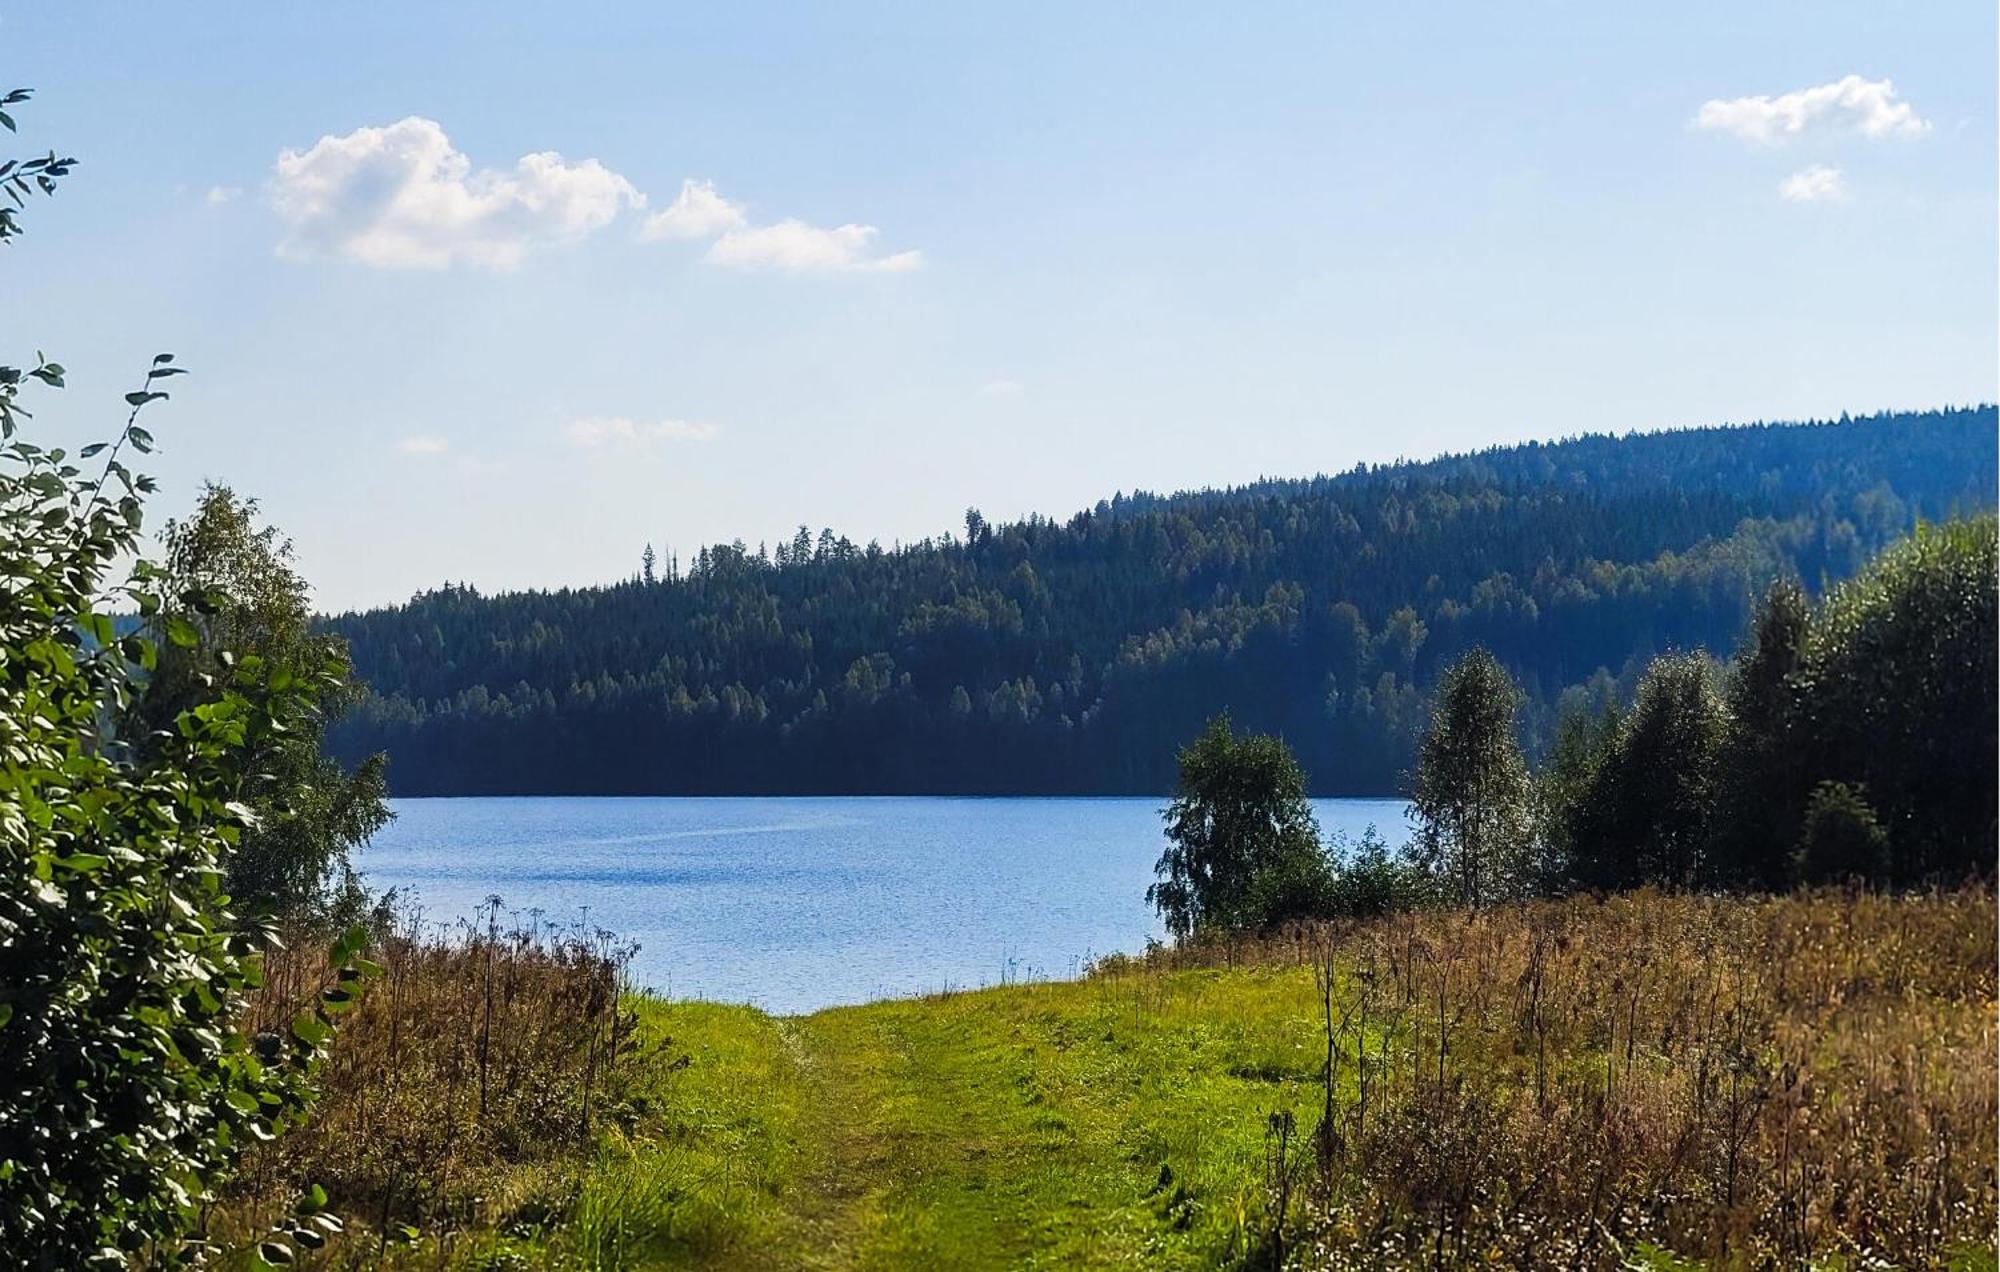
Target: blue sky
x,y
454,311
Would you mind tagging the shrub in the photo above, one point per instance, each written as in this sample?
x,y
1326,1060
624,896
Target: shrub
x,y
1368,882
1841,840
1805,1080
129,1091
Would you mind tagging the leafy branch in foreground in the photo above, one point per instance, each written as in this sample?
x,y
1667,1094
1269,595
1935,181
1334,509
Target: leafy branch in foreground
x,y
131,1089
22,177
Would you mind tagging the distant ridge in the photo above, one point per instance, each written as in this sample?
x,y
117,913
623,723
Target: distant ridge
x,y
1043,656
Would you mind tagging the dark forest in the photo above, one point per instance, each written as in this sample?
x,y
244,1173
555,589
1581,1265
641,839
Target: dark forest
x,y
1076,656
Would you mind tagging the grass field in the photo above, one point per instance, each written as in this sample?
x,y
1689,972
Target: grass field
x,y
1106,1123
1654,1081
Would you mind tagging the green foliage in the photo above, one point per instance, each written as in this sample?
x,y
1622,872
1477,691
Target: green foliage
x,y
1369,882
1762,783
1895,691
1077,655
1564,785
1646,818
130,1089
1887,687
1841,840
1471,790
1243,849
20,178
229,590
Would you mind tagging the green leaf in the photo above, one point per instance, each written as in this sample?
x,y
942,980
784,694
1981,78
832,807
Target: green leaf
x,y
351,942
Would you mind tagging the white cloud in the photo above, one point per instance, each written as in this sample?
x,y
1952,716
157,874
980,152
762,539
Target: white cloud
x,y
1869,107
618,430
1002,388
700,211
219,195
1813,185
697,212
423,445
792,244
402,197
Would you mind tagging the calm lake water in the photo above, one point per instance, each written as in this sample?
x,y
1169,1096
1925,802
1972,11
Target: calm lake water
x,y
799,903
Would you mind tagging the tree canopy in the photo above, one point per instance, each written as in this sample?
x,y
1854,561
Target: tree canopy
x,y
229,581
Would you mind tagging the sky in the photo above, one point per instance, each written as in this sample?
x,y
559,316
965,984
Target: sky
x,y
500,293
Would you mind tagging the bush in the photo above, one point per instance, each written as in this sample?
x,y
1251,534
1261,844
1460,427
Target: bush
x,y
1368,882
1842,840
130,1091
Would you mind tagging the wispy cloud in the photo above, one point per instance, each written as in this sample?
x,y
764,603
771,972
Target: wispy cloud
x,y
219,195
793,245
423,444
697,212
1868,107
1002,388
700,211
1817,184
618,430
402,197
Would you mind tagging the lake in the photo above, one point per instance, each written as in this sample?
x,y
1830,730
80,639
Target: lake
x,y
799,903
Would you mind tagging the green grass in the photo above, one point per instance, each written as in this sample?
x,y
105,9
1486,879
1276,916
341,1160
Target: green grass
x,y
1112,1122
1120,1120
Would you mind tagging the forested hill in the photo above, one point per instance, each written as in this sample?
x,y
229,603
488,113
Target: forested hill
x,y
1076,656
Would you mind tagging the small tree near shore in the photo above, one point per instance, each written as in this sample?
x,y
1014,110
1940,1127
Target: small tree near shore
x,y
1471,791
1243,849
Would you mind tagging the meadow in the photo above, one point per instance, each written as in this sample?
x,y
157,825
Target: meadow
x,y
1647,1080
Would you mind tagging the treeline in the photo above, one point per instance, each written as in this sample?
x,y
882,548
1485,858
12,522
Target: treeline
x,y
1047,656
1853,740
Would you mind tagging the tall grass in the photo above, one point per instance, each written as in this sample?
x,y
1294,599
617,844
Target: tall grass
x,y
483,1052
1591,1082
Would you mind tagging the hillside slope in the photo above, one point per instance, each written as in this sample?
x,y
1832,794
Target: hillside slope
x,y
1074,657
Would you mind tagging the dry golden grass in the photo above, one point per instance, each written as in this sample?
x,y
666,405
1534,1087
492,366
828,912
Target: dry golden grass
x,y
1751,1083
468,1084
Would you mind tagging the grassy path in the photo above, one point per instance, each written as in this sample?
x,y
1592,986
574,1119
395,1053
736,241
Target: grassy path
x,y
1062,1125
1120,1121
830,1206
